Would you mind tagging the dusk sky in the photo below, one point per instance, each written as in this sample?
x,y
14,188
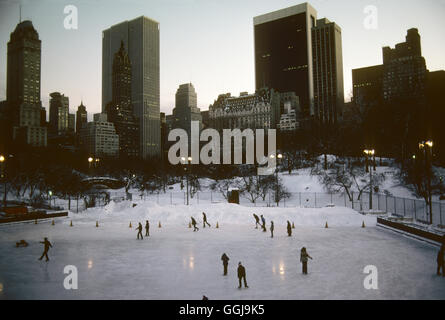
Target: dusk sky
x,y
206,42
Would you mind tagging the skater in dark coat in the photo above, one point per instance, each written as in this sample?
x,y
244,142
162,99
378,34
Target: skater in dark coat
x,y
264,223
47,245
204,220
440,261
139,229
271,229
257,221
194,224
242,275
289,229
304,258
225,259
147,228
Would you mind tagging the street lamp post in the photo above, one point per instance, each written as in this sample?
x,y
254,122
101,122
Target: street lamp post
x,y
279,157
3,177
370,153
187,162
428,168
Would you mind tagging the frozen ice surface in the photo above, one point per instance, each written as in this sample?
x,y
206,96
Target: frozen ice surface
x,y
177,263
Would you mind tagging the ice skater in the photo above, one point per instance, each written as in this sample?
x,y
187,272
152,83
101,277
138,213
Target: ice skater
x,y
264,223
139,229
271,229
304,258
257,221
225,259
289,229
194,225
47,245
147,228
204,220
242,275
441,261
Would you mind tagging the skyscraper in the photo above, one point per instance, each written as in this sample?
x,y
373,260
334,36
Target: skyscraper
x,y
328,71
120,109
186,108
58,113
23,85
141,38
283,52
81,117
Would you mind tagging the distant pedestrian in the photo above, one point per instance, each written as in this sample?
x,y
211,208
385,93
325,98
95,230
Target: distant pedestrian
x,y
264,223
139,229
225,259
289,229
242,275
47,245
147,228
194,225
304,258
257,221
204,220
205,298
441,261
271,229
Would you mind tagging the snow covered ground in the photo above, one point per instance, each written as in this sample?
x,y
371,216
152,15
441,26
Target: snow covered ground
x,y
177,263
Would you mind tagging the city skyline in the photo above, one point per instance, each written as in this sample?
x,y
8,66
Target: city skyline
x,y
206,57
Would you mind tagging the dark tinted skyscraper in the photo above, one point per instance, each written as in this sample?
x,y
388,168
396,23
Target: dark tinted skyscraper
x,y
23,85
283,52
81,117
141,39
120,109
186,109
328,71
58,113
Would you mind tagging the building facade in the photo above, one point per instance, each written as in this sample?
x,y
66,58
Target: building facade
x,y
24,107
120,109
328,71
58,114
141,38
81,117
283,52
186,108
99,138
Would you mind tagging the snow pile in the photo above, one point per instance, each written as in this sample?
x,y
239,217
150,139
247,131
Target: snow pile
x,y
222,212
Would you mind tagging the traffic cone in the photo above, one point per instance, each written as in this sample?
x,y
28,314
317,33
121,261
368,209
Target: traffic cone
x,y
363,224
190,225
159,226
217,225
97,224
293,226
52,223
130,225
71,223
326,225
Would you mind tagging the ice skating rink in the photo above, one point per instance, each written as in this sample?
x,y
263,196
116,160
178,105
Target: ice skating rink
x,y
177,263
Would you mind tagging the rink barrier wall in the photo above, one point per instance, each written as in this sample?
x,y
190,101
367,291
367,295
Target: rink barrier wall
x,y
34,216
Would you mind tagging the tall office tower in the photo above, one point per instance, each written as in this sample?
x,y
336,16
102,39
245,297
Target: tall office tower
x,y
120,109
405,70
58,113
186,109
367,87
23,85
81,117
328,71
71,123
141,38
283,52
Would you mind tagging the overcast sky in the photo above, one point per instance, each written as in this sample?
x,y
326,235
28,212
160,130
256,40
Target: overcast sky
x,y
206,42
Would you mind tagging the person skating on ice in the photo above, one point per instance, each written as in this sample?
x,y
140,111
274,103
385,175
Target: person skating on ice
x,y
194,225
289,229
304,258
147,228
271,229
257,221
139,229
264,223
47,245
225,259
204,220
242,275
